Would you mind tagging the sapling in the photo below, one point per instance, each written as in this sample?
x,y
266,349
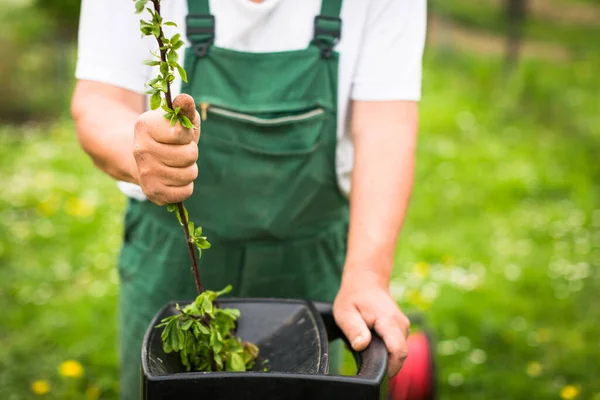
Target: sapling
x,y
202,332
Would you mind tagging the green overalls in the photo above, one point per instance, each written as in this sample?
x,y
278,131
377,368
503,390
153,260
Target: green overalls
x,y
266,195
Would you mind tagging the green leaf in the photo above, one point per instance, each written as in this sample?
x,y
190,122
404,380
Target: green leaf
x,y
164,87
202,329
155,101
187,324
198,231
225,290
173,123
207,305
183,355
219,361
190,227
232,312
182,73
235,362
172,57
167,347
140,5
185,121
202,243
152,63
171,207
168,115
156,31
177,213
164,68
166,107
152,82
175,38
176,46
170,23
177,109
180,337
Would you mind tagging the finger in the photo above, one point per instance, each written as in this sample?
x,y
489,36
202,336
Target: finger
x,y
186,104
161,195
177,177
188,109
154,125
391,331
353,326
197,127
175,155
151,174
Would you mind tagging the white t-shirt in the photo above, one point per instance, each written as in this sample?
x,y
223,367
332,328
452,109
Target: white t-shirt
x,y
380,49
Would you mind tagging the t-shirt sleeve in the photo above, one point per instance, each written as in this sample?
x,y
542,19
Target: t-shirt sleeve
x,y
390,56
110,45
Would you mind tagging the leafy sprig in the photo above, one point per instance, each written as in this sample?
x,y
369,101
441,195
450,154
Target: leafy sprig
x,y
160,96
202,335
195,235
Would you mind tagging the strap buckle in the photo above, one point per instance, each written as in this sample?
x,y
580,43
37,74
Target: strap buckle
x,y
200,31
327,33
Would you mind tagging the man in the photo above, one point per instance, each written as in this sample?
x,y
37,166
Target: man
x,y
303,171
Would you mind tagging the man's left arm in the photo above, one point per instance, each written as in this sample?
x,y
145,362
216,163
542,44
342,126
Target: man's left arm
x,y
384,135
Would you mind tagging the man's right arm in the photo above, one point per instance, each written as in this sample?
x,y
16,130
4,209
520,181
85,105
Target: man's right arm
x,y
136,146
104,118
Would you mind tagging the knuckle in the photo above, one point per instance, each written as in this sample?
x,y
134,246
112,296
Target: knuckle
x,y
405,321
138,151
192,153
403,354
156,194
193,172
141,125
189,190
145,173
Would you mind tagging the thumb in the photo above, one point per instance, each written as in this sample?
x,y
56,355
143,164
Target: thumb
x,y
354,327
188,109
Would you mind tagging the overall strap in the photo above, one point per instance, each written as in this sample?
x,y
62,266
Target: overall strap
x,y
200,26
328,27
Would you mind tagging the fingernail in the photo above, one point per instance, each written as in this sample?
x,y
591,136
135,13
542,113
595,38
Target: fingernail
x,y
358,341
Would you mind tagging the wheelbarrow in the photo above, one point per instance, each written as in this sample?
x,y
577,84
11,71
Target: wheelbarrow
x,y
294,336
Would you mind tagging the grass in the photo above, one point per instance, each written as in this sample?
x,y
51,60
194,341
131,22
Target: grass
x,y
500,250
489,17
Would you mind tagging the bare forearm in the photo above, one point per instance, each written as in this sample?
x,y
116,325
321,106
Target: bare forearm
x,y
385,140
104,120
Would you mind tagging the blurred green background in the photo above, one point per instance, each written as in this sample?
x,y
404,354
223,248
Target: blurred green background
x,y
500,250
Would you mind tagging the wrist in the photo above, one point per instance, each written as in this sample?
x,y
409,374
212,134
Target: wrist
x,y
364,275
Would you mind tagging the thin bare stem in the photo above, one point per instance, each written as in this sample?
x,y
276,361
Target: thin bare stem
x,y
191,249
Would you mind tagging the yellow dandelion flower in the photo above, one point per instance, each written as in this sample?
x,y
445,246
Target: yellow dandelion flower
x,y
422,269
40,387
71,369
76,207
569,392
534,369
92,392
48,206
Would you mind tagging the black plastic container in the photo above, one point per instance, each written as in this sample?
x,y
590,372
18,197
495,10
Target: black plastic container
x,y
293,335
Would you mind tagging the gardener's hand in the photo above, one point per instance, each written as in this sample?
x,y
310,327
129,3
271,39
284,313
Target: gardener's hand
x,y
166,155
364,303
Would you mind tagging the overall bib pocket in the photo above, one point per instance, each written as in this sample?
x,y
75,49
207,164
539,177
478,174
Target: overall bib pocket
x,y
295,132
278,165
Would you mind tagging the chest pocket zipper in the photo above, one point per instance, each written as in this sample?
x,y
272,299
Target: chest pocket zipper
x,y
205,109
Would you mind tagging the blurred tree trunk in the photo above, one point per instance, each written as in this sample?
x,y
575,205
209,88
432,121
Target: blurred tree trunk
x,y
516,13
